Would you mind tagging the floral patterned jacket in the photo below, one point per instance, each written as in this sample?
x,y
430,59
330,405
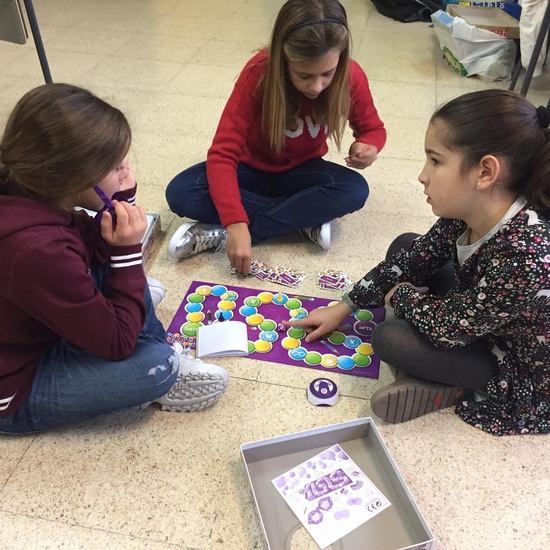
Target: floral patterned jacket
x,y
502,295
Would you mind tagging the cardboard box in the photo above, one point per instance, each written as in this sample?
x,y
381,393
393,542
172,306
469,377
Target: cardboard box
x,y
490,19
398,527
151,237
509,6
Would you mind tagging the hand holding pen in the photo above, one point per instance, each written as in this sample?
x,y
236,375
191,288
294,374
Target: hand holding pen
x,y
131,223
109,206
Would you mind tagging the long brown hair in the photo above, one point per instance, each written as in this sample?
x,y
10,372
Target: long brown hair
x,y
60,140
506,125
308,43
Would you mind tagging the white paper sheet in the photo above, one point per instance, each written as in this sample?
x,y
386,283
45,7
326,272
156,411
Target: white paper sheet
x,y
330,495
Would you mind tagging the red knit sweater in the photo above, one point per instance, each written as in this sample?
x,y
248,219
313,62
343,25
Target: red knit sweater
x,y
239,137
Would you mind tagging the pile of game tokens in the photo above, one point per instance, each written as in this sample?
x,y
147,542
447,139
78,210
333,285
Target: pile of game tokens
x,y
280,275
333,280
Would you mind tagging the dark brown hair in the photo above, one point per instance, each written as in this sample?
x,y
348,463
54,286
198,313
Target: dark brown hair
x,y
290,41
60,140
506,125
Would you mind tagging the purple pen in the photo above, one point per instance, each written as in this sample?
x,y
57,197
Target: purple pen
x,y
109,206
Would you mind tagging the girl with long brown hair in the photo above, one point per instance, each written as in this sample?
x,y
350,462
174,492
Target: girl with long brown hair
x,y
78,332
264,174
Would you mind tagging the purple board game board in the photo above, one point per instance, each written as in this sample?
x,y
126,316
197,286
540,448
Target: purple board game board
x,y
347,350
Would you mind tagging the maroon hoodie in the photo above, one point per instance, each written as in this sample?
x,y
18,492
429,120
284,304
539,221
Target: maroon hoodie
x,y
47,292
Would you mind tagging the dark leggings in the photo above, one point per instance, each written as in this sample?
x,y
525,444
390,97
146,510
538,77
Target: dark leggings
x,y
398,343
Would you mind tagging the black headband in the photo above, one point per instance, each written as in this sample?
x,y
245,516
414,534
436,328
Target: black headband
x,y
317,22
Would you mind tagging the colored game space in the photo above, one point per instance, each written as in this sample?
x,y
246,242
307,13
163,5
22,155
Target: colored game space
x,y
346,350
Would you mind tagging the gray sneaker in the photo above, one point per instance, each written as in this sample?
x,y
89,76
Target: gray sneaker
x,y
320,235
192,238
198,386
408,398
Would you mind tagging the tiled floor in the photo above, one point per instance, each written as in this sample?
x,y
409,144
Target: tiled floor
x,y
164,481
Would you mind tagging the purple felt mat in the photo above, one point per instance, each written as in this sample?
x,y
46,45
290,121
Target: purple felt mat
x,y
347,350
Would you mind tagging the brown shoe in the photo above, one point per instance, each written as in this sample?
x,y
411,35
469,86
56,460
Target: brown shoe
x,y
408,398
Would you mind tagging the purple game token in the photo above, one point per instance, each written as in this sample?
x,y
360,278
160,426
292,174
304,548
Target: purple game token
x,y
322,392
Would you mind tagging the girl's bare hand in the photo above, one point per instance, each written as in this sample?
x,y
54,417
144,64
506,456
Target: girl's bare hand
x,y
239,247
321,321
361,155
420,289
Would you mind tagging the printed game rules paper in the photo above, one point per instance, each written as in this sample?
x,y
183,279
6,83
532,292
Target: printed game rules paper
x,y
330,495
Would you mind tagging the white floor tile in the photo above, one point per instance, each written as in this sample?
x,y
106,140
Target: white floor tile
x,y
148,479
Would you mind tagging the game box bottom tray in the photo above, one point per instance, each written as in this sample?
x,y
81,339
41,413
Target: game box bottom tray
x,y
398,527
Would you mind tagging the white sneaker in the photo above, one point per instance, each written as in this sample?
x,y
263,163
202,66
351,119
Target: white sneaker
x,y
192,238
198,386
157,290
320,235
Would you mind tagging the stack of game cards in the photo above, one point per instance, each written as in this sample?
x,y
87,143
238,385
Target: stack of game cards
x,y
333,280
280,275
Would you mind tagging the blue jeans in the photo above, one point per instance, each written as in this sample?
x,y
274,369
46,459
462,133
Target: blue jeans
x,y
276,203
72,384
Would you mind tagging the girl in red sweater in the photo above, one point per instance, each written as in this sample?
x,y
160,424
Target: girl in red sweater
x,y
78,332
264,174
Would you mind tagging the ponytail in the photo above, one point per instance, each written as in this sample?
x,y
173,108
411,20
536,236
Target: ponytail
x,y
506,125
537,187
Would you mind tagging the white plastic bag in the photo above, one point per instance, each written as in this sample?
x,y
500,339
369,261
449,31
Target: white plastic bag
x,y
473,51
532,13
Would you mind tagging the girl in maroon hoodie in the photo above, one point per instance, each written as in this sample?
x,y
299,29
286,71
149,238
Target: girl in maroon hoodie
x,y
78,333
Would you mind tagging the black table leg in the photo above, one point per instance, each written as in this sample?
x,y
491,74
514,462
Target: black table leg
x,y
38,41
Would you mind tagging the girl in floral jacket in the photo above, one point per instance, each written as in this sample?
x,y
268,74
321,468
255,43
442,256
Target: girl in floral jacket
x,y
472,296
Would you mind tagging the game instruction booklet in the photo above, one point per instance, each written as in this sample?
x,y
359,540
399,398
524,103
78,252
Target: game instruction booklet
x,y
229,338
330,495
